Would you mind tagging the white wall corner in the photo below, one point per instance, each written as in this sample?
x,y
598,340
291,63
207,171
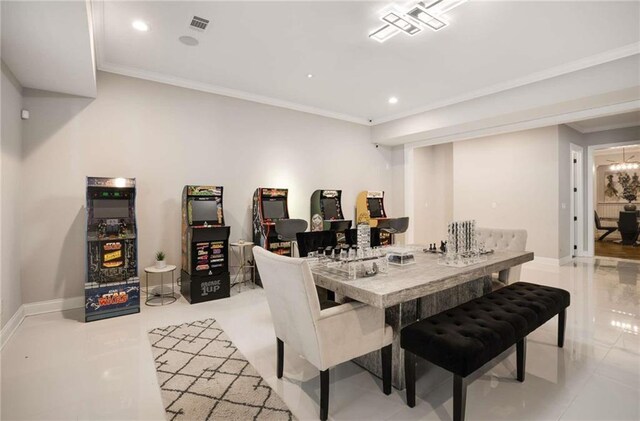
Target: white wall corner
x,y
11,326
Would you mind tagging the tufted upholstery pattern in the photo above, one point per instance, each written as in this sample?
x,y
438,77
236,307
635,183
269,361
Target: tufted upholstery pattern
x,y
505,239
466,337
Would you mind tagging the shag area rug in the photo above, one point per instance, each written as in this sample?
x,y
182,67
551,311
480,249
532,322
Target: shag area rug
x,y
203,376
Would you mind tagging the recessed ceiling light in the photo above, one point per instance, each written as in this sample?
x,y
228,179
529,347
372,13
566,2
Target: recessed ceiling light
x,y
140,25
187,40
393,100
309,75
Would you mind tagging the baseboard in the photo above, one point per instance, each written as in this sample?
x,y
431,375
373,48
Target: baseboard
x,y
11,326
50,306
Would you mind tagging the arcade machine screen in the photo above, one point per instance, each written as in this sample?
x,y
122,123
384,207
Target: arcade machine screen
x,y
330,208
204,211
375,209
110,208
273,209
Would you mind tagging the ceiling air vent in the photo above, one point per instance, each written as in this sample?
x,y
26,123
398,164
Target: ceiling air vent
x,y
198,23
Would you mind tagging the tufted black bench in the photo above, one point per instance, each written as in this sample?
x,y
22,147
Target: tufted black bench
x,y
464,338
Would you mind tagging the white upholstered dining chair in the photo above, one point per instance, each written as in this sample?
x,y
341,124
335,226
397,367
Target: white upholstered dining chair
x,y
505,239
327,337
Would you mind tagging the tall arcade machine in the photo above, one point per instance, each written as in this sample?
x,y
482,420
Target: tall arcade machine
x,y
326,211
112,286
270,205
370,209
205,243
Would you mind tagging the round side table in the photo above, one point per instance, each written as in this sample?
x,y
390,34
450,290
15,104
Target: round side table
x,y
239,250
159,293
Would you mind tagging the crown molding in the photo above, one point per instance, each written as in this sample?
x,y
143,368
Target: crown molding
x,y
574,66
576,126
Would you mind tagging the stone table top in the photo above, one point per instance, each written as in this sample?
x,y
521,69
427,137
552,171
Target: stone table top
x,y
425,277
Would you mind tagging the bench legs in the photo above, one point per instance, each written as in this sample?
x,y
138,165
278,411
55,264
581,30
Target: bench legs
x,y
459,397
562,324
521,357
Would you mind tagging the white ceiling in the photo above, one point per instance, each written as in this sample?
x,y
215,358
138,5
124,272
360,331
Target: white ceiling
x,y
617,121
264,50
48,45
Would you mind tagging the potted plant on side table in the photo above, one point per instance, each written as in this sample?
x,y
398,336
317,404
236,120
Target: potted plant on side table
x,y
160,262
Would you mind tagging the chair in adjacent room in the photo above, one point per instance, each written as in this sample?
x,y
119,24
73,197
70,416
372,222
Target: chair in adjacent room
x,y
599,227
288,228
325,338
628,227
504,239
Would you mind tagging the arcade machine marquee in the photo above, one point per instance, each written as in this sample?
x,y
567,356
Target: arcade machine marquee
x,y
112,286
205,241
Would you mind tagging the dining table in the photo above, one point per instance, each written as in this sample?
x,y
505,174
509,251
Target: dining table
x,y
415,291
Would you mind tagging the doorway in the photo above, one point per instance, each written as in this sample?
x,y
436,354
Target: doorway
x,y
613,183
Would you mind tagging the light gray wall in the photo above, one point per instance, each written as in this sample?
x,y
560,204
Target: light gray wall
x,y
433,192
518,172
11,195
167,137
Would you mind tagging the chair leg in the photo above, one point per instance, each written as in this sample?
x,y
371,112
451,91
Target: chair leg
x,y
521,356
410,378
280,364
562,324
386,369
459,397
324,395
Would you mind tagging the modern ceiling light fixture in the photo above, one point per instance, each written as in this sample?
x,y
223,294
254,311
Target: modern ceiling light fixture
x,y
420,14
626,163
384,33
394,19
427,14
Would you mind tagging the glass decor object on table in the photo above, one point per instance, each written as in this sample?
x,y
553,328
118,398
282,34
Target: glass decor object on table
x,y
369,262
462,245
400,256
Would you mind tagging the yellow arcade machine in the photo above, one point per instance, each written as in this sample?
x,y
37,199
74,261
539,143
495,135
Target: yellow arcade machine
x,y
370,209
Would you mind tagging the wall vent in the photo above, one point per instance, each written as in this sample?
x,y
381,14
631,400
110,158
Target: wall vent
x,y
198,23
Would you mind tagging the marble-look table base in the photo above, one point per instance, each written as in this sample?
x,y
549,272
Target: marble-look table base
x,y
404,314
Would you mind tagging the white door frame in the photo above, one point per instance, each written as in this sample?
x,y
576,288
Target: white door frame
x,y
590,175
577,216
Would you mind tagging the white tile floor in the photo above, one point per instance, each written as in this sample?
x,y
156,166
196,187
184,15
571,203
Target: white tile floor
x,y
56,367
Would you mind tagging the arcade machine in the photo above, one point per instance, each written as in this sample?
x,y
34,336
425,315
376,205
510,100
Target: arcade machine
x,y
270,205
370,209
205,241
112,286
326,213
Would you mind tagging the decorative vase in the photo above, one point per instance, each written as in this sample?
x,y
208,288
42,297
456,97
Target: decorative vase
x,y
161,264
630,207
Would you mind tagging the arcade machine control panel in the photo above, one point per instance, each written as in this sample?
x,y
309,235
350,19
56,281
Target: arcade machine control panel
x,y
112,286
